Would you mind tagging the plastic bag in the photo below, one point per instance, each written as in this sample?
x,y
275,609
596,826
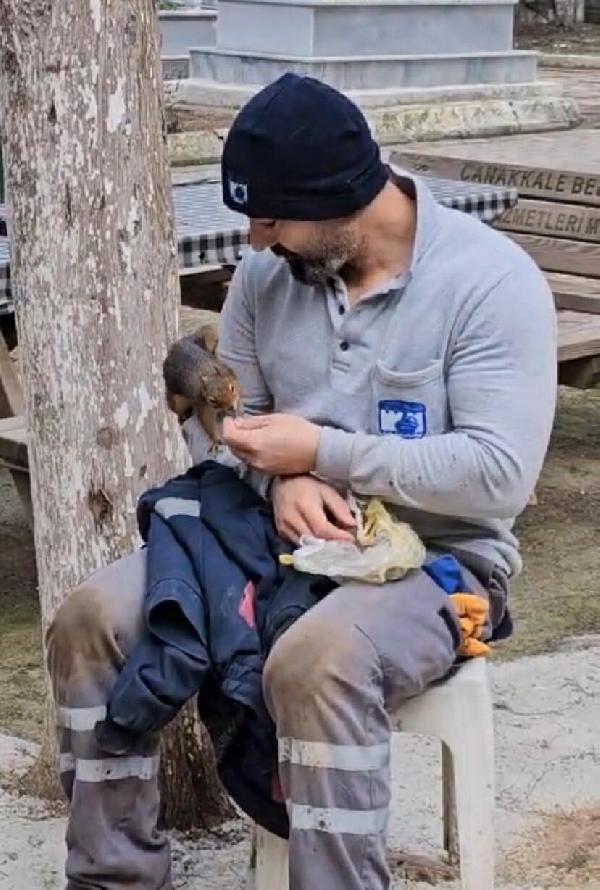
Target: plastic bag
x,y
385,549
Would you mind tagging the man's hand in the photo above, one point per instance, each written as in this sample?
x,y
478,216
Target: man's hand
x,y
274,443
304,506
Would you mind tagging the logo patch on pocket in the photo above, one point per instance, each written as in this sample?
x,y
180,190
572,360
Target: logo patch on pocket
x,y
400,418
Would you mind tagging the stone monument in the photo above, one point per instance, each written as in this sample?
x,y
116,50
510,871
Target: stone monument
x,y
181,28
421,69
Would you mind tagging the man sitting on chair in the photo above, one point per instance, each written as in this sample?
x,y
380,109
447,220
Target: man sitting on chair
x,y
385,345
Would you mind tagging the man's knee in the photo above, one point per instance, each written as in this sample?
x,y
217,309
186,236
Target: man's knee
x,y
317,660
362,641
77,637
99,622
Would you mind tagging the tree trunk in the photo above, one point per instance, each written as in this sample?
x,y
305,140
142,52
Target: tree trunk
x,y
94,262
190,796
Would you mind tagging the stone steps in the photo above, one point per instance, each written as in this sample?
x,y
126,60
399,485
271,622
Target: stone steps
x,y
364,72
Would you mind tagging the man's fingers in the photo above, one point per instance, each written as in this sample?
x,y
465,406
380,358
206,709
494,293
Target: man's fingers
x,y
288,533
321,527
292,527
338,507
241,442
244,443
252,423
229,427
241,453
232,435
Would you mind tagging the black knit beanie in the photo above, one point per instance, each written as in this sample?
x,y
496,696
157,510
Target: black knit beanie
x,y
299,150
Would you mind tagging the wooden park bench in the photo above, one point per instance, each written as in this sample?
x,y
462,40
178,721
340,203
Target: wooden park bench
x,y
556,220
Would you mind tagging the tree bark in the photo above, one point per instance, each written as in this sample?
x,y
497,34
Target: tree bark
x,y
191,796
94,261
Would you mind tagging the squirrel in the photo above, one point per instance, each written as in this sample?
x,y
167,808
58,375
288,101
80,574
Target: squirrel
x,y
197,382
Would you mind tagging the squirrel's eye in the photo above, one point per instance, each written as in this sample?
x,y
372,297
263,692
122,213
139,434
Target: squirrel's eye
x,y
232,387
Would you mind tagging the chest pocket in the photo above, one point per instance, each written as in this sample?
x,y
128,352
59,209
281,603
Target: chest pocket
x,y
409,404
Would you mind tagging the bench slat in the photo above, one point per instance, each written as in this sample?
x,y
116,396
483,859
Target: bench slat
x,y
12,425
578,335
575,292
560,254
13,441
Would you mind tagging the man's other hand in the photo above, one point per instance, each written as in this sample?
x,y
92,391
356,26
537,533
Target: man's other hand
x,y
304,506
273,443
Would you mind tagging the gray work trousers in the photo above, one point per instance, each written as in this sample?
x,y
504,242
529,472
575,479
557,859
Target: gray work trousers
x,y
331,683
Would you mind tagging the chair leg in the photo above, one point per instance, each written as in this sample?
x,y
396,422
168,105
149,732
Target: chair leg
x,y
251,873
272,861
451,845
472,769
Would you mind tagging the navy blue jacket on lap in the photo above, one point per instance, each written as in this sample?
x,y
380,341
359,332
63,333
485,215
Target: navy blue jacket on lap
x,y
216,601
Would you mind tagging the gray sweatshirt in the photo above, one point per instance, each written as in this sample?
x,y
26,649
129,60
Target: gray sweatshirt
x,y
436,393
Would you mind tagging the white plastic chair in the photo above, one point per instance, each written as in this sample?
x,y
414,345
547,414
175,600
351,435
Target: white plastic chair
x,y
459,713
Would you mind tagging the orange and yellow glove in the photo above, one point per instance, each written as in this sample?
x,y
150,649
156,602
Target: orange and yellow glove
x,y
472,612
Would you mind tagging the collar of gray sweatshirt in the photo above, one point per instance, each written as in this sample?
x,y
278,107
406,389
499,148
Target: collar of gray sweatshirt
x,y
436,393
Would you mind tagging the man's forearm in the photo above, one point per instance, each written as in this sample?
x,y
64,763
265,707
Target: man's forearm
x,y
453,474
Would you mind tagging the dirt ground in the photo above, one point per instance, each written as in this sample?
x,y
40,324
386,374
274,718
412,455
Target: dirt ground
x,y
550,38
562,851
555,598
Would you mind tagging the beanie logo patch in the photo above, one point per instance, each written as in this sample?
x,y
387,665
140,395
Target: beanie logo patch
x,y
238,192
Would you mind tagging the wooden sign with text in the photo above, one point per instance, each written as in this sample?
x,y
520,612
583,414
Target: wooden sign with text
x,y
576,188
551,218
